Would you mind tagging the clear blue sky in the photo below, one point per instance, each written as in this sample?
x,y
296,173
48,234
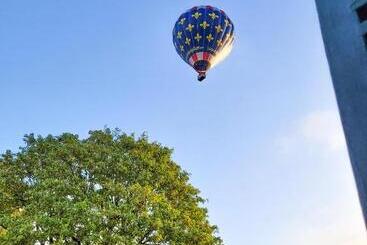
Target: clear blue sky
x,y
261,137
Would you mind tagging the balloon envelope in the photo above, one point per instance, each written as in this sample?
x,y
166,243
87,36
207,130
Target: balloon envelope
x,y
203,36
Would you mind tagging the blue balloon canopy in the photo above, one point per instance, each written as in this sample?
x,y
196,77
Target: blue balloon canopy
x,y
203,36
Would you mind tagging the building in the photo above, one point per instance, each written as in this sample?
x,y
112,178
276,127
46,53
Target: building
x,y
344,29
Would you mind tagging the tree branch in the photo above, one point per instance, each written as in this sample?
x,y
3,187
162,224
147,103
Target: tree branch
x,y
76,240
146,236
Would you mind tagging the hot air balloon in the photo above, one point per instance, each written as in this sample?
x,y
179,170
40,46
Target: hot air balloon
x,y
203,36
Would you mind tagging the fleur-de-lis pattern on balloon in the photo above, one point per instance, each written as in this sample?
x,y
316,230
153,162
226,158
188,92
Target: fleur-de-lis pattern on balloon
x,y
202,29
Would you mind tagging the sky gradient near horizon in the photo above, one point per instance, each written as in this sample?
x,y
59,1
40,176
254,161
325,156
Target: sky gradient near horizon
x,y
261,136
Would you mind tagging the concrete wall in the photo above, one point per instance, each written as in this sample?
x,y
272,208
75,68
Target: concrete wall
x,y
347,56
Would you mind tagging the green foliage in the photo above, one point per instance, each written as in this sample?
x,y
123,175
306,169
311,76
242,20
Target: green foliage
x,y
110,188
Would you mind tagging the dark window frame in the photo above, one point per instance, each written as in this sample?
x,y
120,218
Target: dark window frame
x,y
362,13
365,39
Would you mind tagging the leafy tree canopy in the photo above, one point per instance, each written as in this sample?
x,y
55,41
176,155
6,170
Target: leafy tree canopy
x,y
110,188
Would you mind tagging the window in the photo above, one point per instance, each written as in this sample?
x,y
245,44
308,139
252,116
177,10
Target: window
x,y
362,13
365,39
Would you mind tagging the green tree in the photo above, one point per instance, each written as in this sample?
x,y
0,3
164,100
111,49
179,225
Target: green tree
x,y
110,188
